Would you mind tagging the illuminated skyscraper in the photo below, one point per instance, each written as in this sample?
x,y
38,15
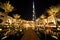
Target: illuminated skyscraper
x,y
34,14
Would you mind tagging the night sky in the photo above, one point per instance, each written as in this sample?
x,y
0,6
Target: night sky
x,y
24,7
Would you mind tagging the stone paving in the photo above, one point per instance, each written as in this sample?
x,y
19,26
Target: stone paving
x,y
30,35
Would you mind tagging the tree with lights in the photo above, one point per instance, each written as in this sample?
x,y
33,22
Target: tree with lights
x,y
16,16
52,12
7,7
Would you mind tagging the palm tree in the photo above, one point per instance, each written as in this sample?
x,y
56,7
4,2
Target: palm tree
x,y
53,11
42,16
7,7
16,16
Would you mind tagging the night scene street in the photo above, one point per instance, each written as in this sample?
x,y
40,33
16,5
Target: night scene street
x,y
29,19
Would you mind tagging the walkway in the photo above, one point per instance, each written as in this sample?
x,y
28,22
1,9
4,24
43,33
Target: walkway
x,y
30,35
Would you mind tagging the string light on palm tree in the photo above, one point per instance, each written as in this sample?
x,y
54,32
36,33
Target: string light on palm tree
x,y
42,16
16,16
7,7
53,11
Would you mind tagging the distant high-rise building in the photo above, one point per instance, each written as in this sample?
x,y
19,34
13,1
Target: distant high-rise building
x,y
34,14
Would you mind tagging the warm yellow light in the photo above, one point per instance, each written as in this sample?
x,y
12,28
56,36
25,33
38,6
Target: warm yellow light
x,y
58,28
16,16
42,16
51,19
53,10
0,29
7,6
37,19
8,26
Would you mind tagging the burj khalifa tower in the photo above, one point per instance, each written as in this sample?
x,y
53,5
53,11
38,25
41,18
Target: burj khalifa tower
x,y
34,14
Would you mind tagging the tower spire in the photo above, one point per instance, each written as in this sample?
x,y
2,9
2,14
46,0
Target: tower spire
x,y
34,15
